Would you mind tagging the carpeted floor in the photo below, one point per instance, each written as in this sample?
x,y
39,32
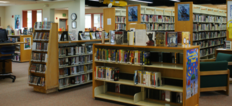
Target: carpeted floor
x,y
20,94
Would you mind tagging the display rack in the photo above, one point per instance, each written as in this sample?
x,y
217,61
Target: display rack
x,y
45,80
21,54
116,17
208,31
157,19
139,93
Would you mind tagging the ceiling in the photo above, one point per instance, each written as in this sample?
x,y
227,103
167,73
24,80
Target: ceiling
x,y
220,4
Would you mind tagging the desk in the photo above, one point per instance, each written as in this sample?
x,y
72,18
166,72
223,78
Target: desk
x,y
8,65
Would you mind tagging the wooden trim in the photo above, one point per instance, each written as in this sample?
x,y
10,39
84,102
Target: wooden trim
x,y
212,89
219,72
208,60
228,83
229,63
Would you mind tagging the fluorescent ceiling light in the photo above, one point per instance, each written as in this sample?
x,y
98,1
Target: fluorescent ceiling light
x,y
175,0
4,1
144,1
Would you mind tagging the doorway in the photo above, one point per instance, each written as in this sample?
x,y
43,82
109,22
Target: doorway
x,y
63,24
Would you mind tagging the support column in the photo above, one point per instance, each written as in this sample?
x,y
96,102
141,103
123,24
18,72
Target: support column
x,y
78,7
52,15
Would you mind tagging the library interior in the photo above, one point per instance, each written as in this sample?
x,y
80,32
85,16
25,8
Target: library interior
x,y
115,52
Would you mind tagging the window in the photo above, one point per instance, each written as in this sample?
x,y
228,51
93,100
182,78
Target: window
x,y
88,21
93,21
30,17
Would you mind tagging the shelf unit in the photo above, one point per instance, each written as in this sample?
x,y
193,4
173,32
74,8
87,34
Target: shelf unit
x,y
76,70
21,54
51,74
158,19
209,28
172,71
117,17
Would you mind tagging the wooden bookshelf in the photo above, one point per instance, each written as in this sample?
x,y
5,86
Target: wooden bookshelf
x,y
207,27
21,54
117,17
168,70
51,73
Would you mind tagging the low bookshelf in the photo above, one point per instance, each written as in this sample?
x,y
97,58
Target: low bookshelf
x,y
22,51
124,73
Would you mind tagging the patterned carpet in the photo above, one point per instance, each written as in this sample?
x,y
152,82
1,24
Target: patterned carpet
x,y
20,94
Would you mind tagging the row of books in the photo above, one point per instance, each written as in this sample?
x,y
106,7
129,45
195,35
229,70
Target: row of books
x,y
39,68
80,79
152,26
46,25
120,26
41,36
14,39
16,57
120,19
92,35
156,18
75,70
39,57
147,78
208,35
75,50
107,73
63,62
123,56
208,51
208,18
39,46
35,80
208,27
209,43
168,96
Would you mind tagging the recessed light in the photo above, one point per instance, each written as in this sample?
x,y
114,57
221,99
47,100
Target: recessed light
x,y
4,1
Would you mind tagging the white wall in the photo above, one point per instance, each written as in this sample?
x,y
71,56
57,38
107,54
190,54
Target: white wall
x,y
59,14
17,10
2,15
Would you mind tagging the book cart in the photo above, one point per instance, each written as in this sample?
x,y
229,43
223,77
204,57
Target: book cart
x,y
21,54
116,16
45,77
139,94
207,27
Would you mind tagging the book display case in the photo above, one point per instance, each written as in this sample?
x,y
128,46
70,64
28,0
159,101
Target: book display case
x,y
22,50
43,68
207,27
125,74
116,17
158,19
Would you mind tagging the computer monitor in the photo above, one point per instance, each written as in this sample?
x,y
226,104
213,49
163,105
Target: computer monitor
x,y
3,35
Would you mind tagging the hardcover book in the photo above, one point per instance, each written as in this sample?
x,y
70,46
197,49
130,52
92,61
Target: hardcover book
x,y
183,38
160,38
92,35
172,39
119,37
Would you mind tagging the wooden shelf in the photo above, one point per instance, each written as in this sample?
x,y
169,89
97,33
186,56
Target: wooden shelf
x,y
211,46
38,73
40,41
209,39
75,55
81,41
158,65
131,83
72,85
60,77
39,51
116,98
74,65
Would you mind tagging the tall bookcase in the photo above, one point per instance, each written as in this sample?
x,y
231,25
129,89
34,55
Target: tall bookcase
x,y
157,19
138,94
22,54
114,19
207,27
45,81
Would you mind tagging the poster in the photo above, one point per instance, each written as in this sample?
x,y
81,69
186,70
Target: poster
x,y
27,44
17,22
183,12
192,73
133,13
229,18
